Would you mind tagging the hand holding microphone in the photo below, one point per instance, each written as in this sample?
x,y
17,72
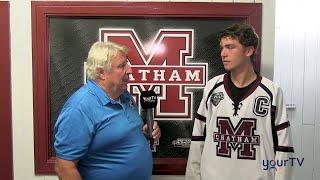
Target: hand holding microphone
x,y
148,101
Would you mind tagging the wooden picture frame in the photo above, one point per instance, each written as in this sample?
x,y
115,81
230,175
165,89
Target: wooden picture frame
x,y
43,11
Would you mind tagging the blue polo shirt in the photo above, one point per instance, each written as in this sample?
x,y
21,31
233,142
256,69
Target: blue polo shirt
x,y
103,135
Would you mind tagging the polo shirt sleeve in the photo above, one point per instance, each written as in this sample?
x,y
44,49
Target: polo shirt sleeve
x,y
73,133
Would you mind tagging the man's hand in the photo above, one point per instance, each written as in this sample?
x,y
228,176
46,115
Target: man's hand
x,y
156,133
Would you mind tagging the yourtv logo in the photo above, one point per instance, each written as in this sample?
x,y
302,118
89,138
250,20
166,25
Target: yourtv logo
x,y
276,164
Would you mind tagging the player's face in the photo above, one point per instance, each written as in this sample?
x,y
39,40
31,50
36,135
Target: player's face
x,y
233,54
118,76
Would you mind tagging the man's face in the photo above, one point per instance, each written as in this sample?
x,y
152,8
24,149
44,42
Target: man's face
x,y
118,76
233,54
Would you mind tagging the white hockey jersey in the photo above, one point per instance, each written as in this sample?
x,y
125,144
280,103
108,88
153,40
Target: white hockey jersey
x,y
232,142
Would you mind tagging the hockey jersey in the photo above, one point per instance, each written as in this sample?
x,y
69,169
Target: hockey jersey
x,y
233,141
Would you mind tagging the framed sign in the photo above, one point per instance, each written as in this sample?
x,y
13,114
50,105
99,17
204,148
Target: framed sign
x,y
173,50
6,166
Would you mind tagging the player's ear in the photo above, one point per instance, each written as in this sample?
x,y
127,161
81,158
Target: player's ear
x,y
249,51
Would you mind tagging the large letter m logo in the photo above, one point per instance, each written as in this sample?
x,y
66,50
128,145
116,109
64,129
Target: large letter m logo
x,y
161,64
241,138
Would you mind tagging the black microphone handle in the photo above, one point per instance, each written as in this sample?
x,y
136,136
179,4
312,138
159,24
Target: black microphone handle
x,y
149,118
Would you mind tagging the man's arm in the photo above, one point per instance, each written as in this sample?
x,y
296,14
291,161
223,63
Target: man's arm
x,y
195,151
67,170
284,147
73,135
197,143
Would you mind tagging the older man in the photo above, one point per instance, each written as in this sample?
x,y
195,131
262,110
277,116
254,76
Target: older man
x,y
99,133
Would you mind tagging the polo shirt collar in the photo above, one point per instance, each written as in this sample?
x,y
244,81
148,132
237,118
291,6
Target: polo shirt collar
x,y
103,96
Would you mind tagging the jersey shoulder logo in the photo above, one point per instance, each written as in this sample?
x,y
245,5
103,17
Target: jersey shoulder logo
x,y
216,98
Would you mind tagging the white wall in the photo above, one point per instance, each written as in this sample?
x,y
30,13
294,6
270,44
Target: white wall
x,y
22,93
297,71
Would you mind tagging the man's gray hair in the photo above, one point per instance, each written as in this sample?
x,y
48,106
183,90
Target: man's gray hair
x,y
100,56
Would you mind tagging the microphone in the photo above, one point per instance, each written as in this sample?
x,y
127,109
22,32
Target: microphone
x,y
148,101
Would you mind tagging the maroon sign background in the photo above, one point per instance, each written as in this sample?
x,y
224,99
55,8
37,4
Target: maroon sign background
x,y
42,12
163,66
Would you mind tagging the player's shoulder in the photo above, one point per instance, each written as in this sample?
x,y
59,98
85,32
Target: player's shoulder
x,y
270,85
214,81
213,84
